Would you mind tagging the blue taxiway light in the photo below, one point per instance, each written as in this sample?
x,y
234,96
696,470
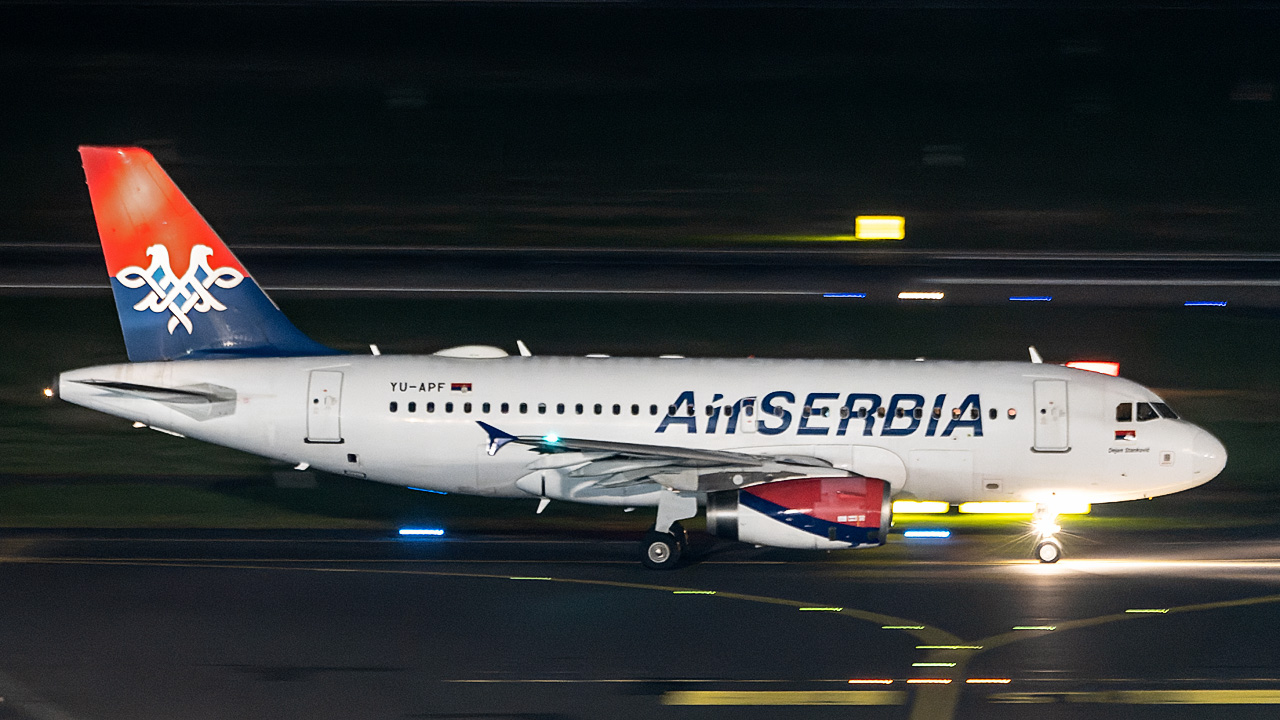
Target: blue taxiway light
x,y
437,532
1031,298
844,295
437,492
927,534
1205,303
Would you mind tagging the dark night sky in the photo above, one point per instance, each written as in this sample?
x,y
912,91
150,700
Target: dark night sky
x,y
440,124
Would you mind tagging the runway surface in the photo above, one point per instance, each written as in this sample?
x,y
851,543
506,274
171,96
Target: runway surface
x,y
141,625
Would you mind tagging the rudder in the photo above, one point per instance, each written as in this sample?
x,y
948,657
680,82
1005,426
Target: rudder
x,y
179,291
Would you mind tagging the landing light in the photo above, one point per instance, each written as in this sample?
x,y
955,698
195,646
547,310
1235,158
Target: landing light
x,y
920,506
551,438
48,392
1098,366
435,532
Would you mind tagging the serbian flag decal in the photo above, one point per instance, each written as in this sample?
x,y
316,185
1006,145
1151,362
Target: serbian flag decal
x,y
460,387
1126,434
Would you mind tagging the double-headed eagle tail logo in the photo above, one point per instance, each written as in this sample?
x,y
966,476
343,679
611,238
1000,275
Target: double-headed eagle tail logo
x,y
179,295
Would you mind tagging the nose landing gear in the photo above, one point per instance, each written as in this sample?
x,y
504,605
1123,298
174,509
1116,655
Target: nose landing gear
x,y
1045,525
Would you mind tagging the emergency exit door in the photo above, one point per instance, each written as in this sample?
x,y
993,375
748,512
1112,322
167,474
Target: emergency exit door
x,y
1051,416
324,407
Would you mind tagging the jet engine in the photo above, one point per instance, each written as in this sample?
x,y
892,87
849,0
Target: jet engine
x,y
806,513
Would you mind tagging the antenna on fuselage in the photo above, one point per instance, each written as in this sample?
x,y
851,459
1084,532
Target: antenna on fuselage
x,y
1035,355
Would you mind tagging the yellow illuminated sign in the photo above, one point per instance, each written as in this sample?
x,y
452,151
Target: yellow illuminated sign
x,y
919,506
879,227
1021,508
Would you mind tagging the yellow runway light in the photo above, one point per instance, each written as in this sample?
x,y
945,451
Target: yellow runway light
x,y
879,227
929,681
784,697
989,681
903,507
871,682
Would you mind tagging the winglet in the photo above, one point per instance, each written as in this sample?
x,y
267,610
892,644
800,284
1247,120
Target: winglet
x,y
1035,354
497,438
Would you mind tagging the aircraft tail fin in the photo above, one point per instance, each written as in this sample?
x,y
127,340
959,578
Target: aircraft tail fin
x,y
179,291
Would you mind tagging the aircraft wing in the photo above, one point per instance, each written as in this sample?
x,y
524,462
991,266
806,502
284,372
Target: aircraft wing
x,y
618,464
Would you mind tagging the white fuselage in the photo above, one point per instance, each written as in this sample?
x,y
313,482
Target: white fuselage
x,y
985,431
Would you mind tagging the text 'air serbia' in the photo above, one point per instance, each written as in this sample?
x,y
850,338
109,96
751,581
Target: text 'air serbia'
x,y
789,453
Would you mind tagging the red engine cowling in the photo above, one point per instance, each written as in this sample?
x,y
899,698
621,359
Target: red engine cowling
x,y
808,513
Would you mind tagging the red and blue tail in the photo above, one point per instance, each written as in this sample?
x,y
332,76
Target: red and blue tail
x,y
179,291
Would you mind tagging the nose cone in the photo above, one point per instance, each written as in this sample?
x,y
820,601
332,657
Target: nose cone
x,y
1208,456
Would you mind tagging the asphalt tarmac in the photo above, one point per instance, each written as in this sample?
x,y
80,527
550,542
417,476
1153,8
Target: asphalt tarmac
x,y
167,624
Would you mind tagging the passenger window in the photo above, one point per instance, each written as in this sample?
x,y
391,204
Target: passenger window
x,y
993,414
466,407
393,407
617,409
635,409
688,409
973,413
542,408
413,407
431,407
503,408
1124,412
955,413
653,409
577,409
937,412
709,409
524,408
448,407
807,411
728,410
559,408
880,412
901,412
1165,411
917,413
1012,413
671,409
598,408
1146,412
485,408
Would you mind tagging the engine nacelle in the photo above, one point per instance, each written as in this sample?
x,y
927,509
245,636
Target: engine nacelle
x,y
807,514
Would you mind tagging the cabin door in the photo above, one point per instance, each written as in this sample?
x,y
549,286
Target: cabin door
x,y
324,407
1051,416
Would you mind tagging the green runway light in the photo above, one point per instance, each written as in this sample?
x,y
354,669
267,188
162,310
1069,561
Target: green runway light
x,y
933,664
901,627
948,647
693,592
821,609
1155,611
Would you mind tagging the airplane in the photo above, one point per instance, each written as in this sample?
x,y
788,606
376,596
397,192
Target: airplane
x,y
792,453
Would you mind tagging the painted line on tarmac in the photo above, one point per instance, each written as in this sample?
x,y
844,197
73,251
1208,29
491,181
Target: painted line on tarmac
x,y
784,697
1144,697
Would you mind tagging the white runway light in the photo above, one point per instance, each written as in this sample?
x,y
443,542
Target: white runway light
x,y
912,295
434,532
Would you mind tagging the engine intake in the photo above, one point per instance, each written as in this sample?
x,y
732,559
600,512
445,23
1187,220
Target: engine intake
x,y
808,513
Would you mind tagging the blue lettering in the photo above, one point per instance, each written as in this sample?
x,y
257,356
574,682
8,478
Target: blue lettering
x,y
894,403
714,419
812,411
971,406
767,410
850,412
673,418
935,414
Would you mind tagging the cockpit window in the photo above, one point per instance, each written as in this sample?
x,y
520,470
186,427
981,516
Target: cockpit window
x,y
1146,412
1165,411
1124,412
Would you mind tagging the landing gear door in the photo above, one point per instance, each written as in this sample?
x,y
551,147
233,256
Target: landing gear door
x,y
324,407
1051,416
747,420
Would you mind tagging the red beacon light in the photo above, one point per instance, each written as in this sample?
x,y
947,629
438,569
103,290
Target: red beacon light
x,y
1098,366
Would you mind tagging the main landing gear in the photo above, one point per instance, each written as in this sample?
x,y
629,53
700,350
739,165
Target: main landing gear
x,y
668,540
1045,525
